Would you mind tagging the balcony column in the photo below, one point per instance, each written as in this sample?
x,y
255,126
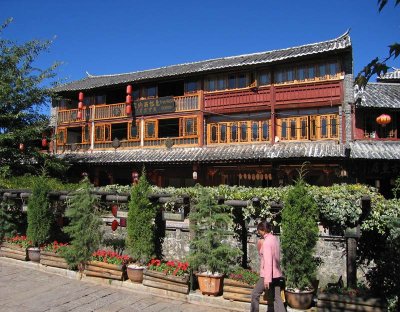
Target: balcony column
x,y
142,132
92,130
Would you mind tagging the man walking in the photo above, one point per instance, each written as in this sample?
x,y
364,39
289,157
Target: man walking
x,y
270,271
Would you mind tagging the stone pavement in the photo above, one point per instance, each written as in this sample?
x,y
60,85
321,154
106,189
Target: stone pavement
x,y
25,288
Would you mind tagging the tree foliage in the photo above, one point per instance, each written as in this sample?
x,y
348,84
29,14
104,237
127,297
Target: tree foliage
x,y
378,66
85,225
209,249
40,215
22,98
299,236
140,239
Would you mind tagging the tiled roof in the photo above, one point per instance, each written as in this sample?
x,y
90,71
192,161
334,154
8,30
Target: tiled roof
x,y
385,150
223,153
378,94
92,82
394,75
375,150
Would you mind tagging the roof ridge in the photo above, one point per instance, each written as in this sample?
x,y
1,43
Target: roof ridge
x,y
223,58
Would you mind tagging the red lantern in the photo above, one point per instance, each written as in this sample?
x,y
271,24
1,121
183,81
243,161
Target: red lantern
x,y
383,119
128,99
114,210
79,114
129,89
21,146
44,142
80,105
128,109
80,97
114,225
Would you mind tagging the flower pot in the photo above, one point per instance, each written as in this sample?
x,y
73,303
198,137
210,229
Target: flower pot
x,y
210,284
105,270
299,300
34,254
135,274
179,284
53,259
13,251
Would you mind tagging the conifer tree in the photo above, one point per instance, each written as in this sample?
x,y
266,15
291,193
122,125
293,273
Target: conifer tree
x,y
84,228
209,248
40,216
7,226
299,236
140,239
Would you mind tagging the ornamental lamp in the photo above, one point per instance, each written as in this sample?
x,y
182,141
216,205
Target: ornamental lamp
x,y
128,109
114,210
383,119
79,115
114,225
80,97
135,177
129,89
128,99
44,142
80,105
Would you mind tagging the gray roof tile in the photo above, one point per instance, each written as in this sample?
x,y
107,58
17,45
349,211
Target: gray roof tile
x,y
230,153
92,82
375,150
394,75
381,95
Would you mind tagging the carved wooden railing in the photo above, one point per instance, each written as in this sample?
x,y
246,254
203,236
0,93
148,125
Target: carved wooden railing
x,y
114,111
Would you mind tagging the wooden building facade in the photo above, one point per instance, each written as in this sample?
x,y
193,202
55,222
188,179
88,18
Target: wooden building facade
x,y
245,120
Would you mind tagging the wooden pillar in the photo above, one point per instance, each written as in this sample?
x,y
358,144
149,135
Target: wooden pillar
x,y
273,119
351,245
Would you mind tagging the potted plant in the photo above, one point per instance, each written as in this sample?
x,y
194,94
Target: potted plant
x,y
167,275
40,217
140,238
210,252
84,227
52,255
298,241
107,264
15,247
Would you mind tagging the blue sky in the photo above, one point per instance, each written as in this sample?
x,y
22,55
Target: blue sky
x,y
107,37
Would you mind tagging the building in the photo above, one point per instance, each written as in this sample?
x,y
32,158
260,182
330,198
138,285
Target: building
x,y
248,120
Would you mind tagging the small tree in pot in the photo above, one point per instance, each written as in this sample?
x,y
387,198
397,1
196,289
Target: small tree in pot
x,y
140,239
210,252
298,240
40,217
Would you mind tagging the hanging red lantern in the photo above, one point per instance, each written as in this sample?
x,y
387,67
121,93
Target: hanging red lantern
x,y
80,97
21,146
383,119
128,109
79,114
129,89
80,105
114,225
128,99
114,210
44,142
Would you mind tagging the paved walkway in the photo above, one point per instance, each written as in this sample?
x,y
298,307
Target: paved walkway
x,y
24,289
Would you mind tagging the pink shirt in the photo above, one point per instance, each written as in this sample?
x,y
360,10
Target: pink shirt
x,y
270,258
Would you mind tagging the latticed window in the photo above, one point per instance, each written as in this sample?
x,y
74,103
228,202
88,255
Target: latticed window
x,y
133,130
61,136
188,126
86,134
102,133
150,129
243,131
234,133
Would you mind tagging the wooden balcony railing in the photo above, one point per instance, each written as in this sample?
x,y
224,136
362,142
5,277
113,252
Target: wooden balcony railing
x,y
114,111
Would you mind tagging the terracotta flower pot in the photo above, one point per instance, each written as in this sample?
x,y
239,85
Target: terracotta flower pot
x,y
210,284
135,274
299,300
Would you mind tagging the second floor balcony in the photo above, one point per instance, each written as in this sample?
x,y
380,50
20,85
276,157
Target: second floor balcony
x,y
117,111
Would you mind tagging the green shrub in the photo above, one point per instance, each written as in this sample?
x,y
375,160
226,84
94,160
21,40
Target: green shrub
x,y
140,239
40,215
299,237
84,227
211,223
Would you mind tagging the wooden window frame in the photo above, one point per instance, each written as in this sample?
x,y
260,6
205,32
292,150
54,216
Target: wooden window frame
x,y
137,138
89,127
183,126
104,136
146,128
64,134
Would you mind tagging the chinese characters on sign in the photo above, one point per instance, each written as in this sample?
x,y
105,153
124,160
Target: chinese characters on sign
x,y
155,106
